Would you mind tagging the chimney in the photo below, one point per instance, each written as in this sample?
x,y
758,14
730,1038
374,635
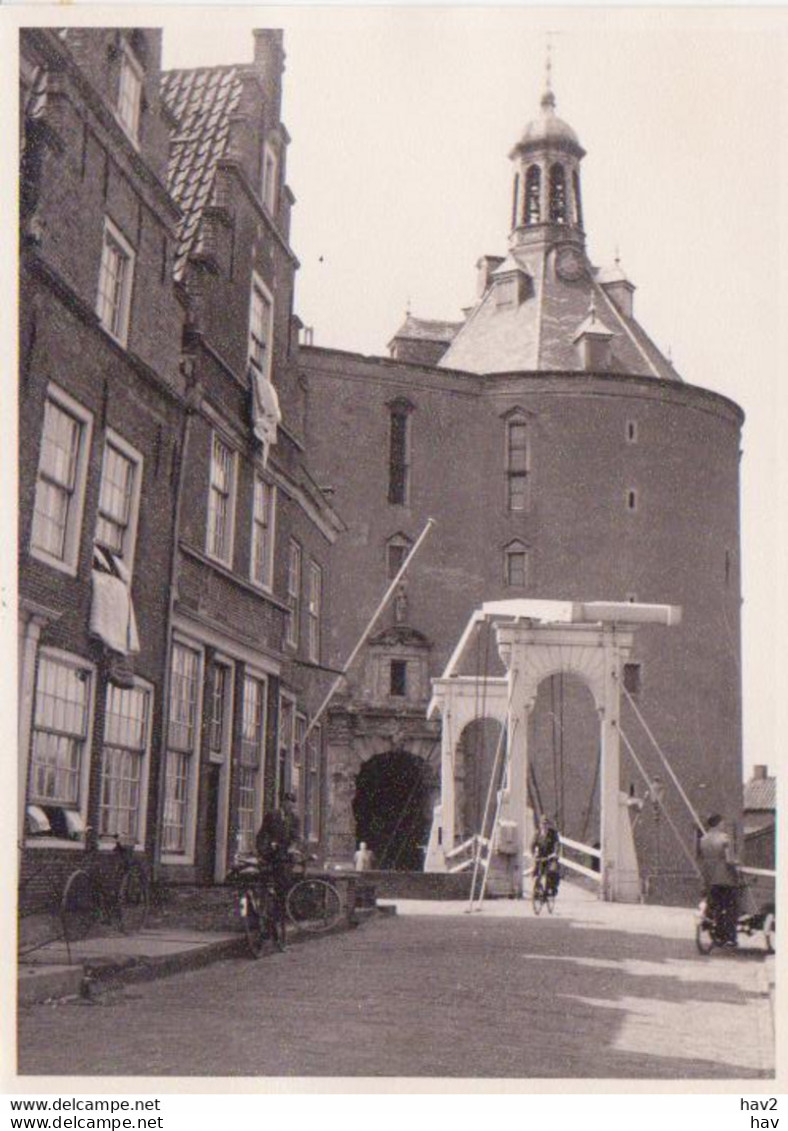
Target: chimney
x,y
484,268
269,61
760,773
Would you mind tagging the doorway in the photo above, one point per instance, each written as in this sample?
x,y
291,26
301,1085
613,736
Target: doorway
x,y
391,810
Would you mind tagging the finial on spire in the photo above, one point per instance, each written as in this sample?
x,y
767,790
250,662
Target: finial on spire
x,y
407,307
548,98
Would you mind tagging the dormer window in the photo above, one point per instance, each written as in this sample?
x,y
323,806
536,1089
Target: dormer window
x,y
533,188
270,183
130,93
557,195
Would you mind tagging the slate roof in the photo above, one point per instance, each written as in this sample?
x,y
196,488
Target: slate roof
x,y
538,333
202,102
427,330
760,793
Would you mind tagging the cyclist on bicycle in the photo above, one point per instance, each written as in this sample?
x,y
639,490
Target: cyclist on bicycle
x,y
544,849
278,844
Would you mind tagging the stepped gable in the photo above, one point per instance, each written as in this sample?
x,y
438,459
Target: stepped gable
x,y
202,101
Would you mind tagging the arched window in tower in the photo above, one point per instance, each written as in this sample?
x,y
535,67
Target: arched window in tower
x,y
557,195
533,186
578,200
516,200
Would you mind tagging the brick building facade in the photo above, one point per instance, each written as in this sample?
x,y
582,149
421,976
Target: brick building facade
x,y
174,580
563,457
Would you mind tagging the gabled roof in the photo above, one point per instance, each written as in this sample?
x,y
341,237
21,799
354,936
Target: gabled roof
x,y
538,333
202,102
760,793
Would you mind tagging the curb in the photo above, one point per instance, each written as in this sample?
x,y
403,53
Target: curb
x,y
94,977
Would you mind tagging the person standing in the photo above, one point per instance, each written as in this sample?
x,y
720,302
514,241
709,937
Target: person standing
x,y
721,876
278,842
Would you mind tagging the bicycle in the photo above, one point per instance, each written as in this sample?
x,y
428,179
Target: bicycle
x,y
708,933
311,904
543,892
86,898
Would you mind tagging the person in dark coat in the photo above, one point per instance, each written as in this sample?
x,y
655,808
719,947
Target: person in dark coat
x,y
544,849
278,842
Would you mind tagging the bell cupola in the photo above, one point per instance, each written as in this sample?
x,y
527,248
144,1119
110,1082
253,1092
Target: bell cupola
x,y
546,201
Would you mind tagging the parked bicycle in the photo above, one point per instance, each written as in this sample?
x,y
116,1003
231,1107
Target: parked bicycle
x,y
708,933
543,892
312,904
90,897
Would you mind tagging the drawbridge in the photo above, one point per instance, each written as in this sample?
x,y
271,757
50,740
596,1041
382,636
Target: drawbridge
x,y
536,640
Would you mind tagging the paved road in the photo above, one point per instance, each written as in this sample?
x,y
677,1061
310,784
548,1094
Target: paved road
x,y
595,991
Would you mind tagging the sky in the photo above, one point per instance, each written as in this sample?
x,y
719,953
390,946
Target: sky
x,y
402,120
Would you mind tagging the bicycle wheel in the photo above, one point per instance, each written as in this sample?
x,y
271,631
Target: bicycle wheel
x,y
133,901
770,932
254,923
549,898
537,896
77,905
313,905
704,936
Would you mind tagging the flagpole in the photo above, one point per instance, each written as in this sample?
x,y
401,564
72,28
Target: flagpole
x,y
370,625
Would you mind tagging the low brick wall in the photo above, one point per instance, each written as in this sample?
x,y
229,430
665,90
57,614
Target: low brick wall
x,y
419,885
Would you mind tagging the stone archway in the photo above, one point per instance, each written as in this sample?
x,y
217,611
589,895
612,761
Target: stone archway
x,y
391,808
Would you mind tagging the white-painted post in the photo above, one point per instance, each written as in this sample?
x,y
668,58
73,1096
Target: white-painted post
x,y
515,799
611,773
448,730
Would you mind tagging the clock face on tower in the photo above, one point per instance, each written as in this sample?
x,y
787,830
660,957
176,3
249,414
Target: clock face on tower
x,y
569,264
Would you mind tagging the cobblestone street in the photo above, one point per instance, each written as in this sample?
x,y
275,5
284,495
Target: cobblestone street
x,y
597,991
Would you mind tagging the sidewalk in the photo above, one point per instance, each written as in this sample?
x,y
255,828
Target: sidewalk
x,y
46,973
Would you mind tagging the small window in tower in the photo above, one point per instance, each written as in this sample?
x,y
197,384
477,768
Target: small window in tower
x,y
632,431
578,200
727,567
515,200
533,185
557,195
516,565
399,453
398,678
632,499
633,678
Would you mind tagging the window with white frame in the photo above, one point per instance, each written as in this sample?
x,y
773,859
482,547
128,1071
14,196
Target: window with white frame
x,y
312,805
182,737
293,615
263,518
130,93
314,610
61,724
516,565
250,771
284,757
517,465
219,710
298,755
116,277
261,310
60,484
270,178
124,762
221,502
119,495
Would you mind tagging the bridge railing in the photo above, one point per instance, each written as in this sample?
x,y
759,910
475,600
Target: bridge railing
x,y
573,848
